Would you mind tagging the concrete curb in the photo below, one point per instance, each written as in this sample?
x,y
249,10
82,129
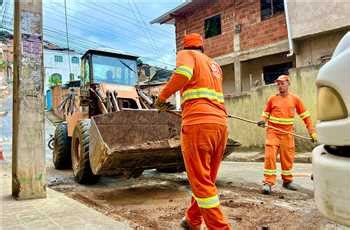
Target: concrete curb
x,y
259,157
57,211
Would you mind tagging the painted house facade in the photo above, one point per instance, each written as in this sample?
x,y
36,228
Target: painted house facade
x,y
60,67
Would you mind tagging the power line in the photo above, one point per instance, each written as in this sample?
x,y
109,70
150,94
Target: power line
x,y
3,11
107,12
126,8
145,31
65,15
102,29
134,45
96,45
108,31
84,43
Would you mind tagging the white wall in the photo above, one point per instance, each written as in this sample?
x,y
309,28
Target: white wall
x,y
51,66
309,17
317,50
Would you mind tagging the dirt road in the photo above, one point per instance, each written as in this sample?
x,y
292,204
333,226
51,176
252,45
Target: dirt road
x,y
158,201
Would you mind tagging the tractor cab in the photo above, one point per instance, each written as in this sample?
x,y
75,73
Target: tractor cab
x,y
107,67
111,75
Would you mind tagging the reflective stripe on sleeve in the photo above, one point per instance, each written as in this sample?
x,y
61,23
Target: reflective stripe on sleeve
x,y
184,71
305,114
209,202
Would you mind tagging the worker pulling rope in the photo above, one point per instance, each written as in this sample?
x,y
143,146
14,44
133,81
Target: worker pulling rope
x,y
268,126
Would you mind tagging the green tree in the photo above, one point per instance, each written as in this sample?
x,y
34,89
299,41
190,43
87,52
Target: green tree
x,y
55,79
2,64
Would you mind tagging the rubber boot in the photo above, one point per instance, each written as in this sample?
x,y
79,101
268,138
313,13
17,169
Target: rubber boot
x,y
187,226
266,189
290,186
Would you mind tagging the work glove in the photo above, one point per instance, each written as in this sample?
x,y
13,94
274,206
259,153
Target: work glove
x,y
162,106
261,123
313,137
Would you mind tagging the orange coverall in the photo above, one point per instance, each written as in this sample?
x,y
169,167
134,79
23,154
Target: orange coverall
x,y
279,112
204,132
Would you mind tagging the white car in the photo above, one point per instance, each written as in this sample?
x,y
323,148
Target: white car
x,y
331,160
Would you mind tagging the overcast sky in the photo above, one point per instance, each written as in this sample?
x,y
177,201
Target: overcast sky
x,y
119,24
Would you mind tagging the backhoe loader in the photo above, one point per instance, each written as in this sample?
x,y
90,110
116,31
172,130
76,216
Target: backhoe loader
x,y
111,128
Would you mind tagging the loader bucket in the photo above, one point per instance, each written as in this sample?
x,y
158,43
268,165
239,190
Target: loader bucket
x,y
132,140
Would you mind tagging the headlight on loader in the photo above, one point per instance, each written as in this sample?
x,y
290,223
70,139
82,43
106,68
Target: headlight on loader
x,y
330,105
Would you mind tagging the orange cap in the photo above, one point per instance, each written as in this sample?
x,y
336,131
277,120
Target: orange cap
x,y
282,78
193,40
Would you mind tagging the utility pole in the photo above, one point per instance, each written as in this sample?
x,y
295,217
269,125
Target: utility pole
x,y
28,162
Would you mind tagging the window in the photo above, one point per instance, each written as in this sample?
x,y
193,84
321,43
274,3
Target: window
x,y
212,26
114,70
75,60
71,77
268,8
272,72
58,58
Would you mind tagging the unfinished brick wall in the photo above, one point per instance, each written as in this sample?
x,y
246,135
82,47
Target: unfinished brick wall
x,y
193,22
254,31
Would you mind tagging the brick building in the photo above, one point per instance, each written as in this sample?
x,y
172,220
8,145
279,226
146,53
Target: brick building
x,y
248,38
254,41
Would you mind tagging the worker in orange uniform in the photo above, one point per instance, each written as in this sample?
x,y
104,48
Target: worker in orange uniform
x,y
204,129
279,112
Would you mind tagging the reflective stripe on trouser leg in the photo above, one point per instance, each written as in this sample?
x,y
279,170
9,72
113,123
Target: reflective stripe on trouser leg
x,y
208,202
202,148
287,154
270,164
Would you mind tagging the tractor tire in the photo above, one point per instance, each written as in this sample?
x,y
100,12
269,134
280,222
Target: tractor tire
x,y
62,146
80,154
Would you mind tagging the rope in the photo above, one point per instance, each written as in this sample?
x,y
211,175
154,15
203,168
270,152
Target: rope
x,y
253,122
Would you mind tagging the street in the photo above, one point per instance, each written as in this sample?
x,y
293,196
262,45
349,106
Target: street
x,y
124,114
140,201
158,201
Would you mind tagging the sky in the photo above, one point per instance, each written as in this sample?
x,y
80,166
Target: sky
x,y
119,24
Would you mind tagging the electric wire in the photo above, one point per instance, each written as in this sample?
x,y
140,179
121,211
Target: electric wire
x,y
66,22
85,43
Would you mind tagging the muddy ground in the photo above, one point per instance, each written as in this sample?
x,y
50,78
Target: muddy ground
x,y
158,201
